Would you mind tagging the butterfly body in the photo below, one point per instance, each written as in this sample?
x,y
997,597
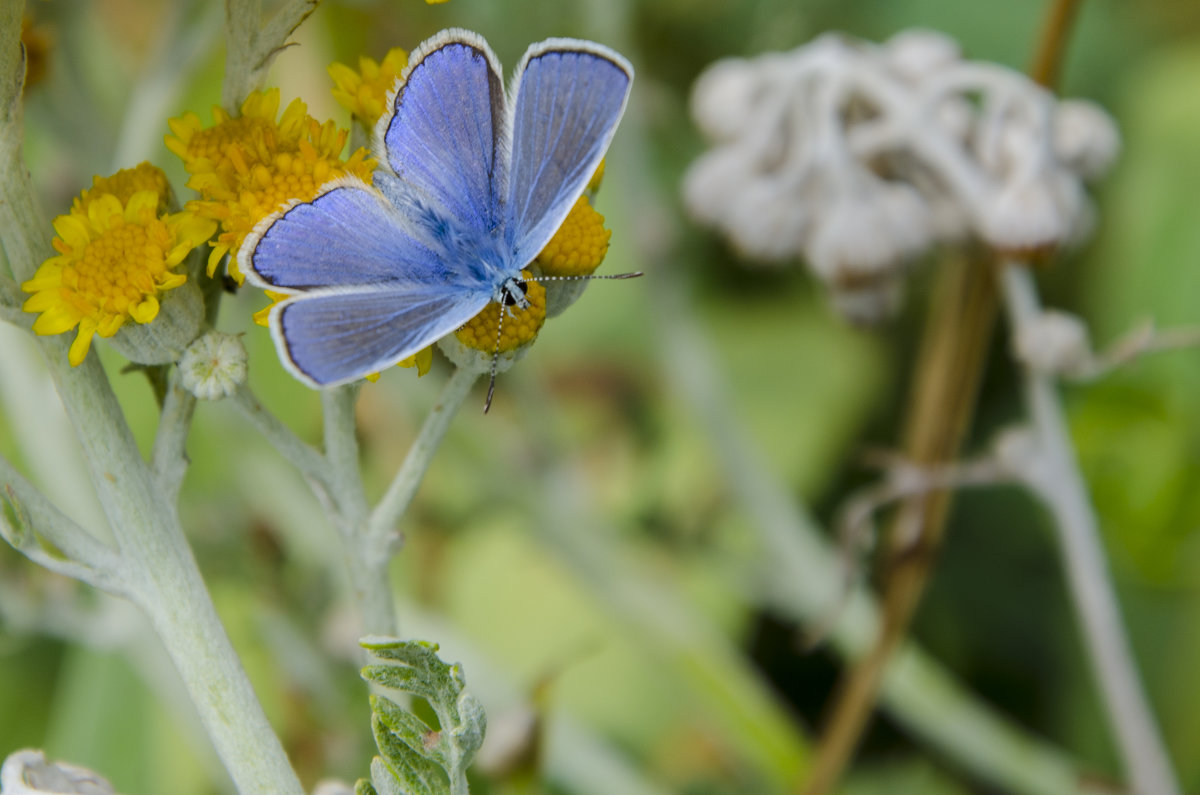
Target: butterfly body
x,y
474,180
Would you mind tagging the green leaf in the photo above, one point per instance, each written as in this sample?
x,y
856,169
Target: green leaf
x,y
416,758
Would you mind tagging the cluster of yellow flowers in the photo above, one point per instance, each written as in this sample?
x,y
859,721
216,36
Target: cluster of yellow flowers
x,y
118,251
120,247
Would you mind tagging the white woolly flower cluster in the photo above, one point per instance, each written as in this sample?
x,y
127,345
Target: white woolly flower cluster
x,y
859,157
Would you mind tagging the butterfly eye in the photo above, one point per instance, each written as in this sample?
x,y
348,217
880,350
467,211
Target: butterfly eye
x,y
510,298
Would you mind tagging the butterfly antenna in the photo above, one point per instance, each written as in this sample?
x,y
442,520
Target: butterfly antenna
x,y
487,403
630,275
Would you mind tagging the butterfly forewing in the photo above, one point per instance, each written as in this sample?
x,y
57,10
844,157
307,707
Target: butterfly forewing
x,y
568,97
443,136
347,235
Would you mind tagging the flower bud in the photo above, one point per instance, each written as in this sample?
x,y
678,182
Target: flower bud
x,y
917,52
214,366
867,233
713,183
1085,138
723,98
1054,342
1028,216
769,222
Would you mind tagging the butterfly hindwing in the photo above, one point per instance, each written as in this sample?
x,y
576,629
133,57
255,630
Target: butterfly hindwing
x,y
332,337
443,135
567,98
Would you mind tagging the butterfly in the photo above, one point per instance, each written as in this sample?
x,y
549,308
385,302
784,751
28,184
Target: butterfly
x,y
473,182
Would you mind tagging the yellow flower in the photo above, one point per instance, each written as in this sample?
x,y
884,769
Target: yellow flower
x,y
255,132
124,184
422,359
519,328
364,93
579,245
113,264
247,167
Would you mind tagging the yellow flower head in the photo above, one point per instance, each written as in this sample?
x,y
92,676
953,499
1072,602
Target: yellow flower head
x,y
579,245
247,167
124,184
519,328
113,264
364,93
254,133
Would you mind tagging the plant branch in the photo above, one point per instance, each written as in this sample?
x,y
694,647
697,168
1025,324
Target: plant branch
x,y
306,458
952,357
1053,43
801,578
169,456
381,525
26,514
252,45
341,453
162,575
1141,341
367,565
949,365
1060,486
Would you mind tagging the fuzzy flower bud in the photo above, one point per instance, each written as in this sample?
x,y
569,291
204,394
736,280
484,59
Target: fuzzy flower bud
x,y
1054,342
214,366
862,236
723,98
918,52
1085,138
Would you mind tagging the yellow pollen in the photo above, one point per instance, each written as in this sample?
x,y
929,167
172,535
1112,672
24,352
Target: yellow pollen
x,y
519,328
579,245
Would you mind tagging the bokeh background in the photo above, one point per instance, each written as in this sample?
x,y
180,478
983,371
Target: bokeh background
x,y
583,544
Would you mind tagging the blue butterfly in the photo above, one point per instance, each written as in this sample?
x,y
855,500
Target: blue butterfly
x,y
472,184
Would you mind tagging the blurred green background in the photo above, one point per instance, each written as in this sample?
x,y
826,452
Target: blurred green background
x,y
583,541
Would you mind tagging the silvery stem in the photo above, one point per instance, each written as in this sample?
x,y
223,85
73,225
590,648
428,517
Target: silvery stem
x,y
1064,493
